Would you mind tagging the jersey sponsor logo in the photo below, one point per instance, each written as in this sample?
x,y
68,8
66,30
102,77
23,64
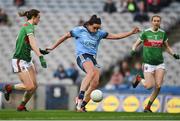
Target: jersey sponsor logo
x,y
90,44
25,24
156,37
152,43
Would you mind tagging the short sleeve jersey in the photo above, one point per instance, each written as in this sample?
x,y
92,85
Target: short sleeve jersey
x,y
23,48
87,42
153,46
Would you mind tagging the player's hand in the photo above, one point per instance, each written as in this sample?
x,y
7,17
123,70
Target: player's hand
x,y
133,53
44,52
176,56
135,30
49,49
43,61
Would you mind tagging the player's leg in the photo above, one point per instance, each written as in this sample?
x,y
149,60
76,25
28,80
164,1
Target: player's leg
x,y
28,94
148,84
93,85
19,66
159,76
90,73
27,84
24,86
148,73
149,80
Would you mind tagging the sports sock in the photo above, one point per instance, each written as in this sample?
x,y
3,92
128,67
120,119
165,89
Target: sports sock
x,y
149,105
13,87
9,87
153,96
83,104
26,98
23,103
81,95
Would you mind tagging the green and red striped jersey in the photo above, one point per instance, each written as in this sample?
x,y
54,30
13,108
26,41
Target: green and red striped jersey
x,y
23,48
153,45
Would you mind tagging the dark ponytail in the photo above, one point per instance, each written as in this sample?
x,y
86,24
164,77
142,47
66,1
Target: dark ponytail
x,y
29,14
93,20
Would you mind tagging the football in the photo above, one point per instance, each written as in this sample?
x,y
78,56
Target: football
x,y
96,95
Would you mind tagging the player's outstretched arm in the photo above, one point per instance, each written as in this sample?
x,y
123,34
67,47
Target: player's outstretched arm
x,y
62,39
123,35
170,50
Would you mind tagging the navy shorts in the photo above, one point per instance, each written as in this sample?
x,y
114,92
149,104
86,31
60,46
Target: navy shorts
x,y
86,57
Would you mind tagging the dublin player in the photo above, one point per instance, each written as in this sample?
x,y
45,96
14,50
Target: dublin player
x,y
87,39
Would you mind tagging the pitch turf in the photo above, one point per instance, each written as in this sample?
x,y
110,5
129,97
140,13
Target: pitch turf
x,y
70,115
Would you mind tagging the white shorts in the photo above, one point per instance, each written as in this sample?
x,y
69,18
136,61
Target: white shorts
x,y
21,65
152,68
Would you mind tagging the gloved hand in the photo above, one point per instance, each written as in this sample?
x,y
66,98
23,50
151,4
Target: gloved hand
x,y
44,52
43,61
133,53
176,56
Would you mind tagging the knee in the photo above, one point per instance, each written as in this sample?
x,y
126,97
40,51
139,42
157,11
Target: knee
x,y
95,82
31,87
158,86
148,86
91,73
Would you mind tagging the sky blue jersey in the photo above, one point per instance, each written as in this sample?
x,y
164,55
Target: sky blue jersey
x,y
87,42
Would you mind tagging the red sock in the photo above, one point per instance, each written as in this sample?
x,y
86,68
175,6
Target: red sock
x,y
9,88
148,105
23,103
20,107
139,78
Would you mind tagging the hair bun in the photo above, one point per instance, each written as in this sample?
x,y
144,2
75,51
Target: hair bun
x,y
94,16
22,13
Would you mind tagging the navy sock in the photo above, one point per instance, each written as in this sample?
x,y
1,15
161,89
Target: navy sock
x,y
83,104
81,95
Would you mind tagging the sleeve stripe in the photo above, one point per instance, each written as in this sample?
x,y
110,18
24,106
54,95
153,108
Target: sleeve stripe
x,y
140,39
106,35
71,33
30,34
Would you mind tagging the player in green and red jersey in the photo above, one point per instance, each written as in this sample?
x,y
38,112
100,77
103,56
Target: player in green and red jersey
x,y
153,40
22,63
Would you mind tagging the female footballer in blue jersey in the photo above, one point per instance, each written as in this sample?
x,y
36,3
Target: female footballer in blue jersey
x,y
87,39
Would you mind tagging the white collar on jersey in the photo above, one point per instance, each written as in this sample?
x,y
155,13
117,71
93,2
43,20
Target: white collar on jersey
x,y
153,30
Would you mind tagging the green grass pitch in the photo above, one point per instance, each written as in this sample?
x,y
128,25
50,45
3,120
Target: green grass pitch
x,y
70,115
